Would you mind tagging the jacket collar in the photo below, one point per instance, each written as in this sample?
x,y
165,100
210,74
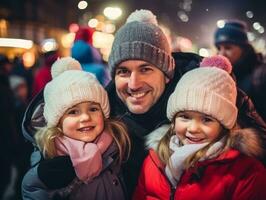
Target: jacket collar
x,y
246,141
155,116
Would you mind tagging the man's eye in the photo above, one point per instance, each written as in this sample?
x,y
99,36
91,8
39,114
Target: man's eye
x,y
146,69
122,71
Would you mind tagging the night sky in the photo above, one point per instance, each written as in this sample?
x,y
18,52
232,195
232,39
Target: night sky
x,y
203,15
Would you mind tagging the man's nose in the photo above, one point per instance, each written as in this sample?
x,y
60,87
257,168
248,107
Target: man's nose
x,y
134,81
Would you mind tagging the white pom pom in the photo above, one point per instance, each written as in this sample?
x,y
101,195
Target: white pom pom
x,y
64,64
142,16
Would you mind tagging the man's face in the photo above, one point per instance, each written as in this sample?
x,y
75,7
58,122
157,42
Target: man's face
x,y
139,85
231,51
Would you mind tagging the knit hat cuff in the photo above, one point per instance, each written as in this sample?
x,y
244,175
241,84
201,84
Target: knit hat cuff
x,y
230,35
203,101
143,51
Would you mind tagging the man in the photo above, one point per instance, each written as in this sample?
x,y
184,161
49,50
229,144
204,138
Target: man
x,y
144,74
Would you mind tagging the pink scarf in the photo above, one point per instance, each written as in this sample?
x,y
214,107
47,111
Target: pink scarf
x,y
86,157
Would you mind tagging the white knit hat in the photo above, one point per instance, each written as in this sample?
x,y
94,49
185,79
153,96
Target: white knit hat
x,y
71,86
208,90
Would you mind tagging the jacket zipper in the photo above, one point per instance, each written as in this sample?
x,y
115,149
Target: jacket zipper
x,y
172,188
172,193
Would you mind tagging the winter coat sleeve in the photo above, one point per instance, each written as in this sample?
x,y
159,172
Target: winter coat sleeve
x,y
32,187
249,118
251,186
140,191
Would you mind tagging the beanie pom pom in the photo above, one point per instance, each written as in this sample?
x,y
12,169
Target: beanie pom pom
x,y
142,15
64,64
217,61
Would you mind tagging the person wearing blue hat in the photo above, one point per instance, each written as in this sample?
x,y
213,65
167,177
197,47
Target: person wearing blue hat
x,y
232,42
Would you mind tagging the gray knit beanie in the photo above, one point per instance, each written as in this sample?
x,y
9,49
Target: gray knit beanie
x,y
142,39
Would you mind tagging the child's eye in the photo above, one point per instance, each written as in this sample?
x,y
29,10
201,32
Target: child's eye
x,y
72,112
94,109
183,116
207,119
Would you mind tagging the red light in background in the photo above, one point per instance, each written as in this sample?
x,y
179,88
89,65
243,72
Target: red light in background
x,y
73,28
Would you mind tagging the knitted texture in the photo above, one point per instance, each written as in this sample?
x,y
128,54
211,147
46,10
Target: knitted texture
x,y
218,61
233,32
64,64
143,16
207,90
69,88
142,40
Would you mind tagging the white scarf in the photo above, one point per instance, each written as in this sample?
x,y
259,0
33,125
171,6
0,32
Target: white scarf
x,y
175,168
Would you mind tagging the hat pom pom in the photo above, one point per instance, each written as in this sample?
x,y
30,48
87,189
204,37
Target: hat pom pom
x,y
217,61
142,16
64,64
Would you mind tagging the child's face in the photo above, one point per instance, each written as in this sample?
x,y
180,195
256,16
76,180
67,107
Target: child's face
x,y
84,121
194,127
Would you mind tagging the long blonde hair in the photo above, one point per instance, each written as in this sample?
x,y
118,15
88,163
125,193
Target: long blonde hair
x,y
45,139
164,152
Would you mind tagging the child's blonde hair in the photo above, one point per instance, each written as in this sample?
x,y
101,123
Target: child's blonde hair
x,y
45,139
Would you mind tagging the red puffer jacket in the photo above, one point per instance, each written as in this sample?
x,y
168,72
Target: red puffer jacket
x,y
232,175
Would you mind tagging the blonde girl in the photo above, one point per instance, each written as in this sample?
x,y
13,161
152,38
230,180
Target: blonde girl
x,y
76,109
202,154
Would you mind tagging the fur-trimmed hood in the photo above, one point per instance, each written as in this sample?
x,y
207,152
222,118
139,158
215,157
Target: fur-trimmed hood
x,y
247,140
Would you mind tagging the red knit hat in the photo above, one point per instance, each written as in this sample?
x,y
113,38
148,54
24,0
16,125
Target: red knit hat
x,y
84,34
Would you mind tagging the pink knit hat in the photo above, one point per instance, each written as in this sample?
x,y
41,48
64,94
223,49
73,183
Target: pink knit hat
x,y
209,90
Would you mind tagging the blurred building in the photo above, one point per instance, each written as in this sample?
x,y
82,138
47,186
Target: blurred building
x,y
35,20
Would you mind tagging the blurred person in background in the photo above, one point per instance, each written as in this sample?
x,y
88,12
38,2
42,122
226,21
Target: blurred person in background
x,y
258,90
88,56
20,89
43,74
86,34
23,148
232,42
19,69
7,125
